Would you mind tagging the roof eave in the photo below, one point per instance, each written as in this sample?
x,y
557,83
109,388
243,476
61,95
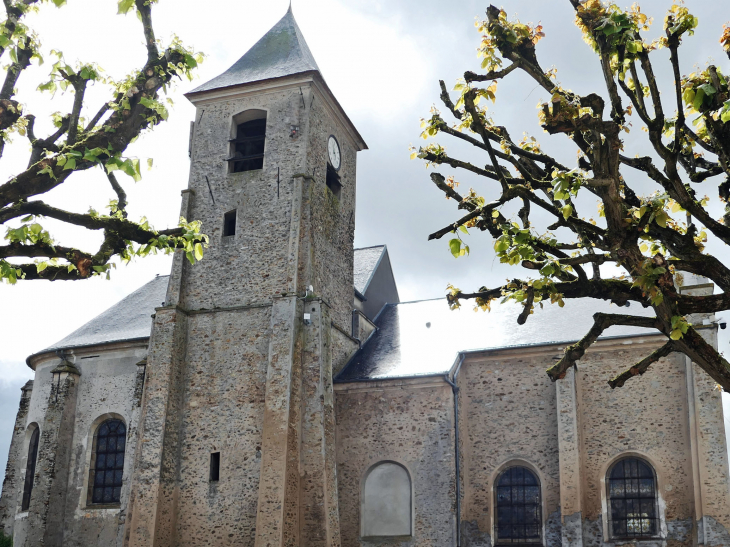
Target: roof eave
x,y
53,351
196,97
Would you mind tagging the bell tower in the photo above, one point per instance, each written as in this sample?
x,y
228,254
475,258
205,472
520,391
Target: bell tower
x,y
236,432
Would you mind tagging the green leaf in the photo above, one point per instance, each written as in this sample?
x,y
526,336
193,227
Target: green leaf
x,y
501,245
676,334
124,6
198,251
567,210
455,247
699,97
150,161
70,163
191,257
463,229
709,89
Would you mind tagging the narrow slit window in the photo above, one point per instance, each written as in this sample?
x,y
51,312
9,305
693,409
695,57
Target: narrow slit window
x,y
30,468
229,223
215,466
333,181
248,146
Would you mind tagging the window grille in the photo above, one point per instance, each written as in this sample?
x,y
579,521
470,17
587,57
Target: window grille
x,y
108,468
248,146
30,468
632,499
519,510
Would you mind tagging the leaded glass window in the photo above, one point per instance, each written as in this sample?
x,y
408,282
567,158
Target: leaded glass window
x,y
632,499
30,468
108,465
519,510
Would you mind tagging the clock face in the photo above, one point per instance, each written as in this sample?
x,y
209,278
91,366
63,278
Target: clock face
x,y
333,150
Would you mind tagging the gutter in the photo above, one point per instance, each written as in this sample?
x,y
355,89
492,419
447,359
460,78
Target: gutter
x,y
457,469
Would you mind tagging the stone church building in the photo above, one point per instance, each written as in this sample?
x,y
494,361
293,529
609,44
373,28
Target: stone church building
x,y
278,393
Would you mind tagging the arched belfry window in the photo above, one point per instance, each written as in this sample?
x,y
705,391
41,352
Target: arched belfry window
x,y
519,509
386,501
107,462
632,500
248,141
30,466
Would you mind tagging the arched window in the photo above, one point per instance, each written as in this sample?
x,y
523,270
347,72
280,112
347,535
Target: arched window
x,y
30,466
386,501
519,510
107,462
631,487
248,141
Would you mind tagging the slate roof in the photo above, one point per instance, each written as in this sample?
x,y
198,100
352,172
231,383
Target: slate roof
x,y
366,262
281,52
423,338
128,319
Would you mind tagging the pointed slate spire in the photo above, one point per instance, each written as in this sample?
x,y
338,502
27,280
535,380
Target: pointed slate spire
x,y
281,52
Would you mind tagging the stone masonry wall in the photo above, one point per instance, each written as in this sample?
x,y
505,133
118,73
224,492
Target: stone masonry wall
x,y
15,469
508,416
410,422
222,412
106,390
332,228
249,267
647,417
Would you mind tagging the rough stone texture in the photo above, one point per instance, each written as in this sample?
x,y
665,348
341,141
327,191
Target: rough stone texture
x,y
652,425
570,459
234,368
151,511
409,422
17,461
50,488
242,374
508,416
105,390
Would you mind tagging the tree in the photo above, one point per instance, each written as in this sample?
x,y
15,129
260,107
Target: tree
x,y
135,106
639,245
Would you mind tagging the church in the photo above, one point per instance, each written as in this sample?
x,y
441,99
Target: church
x,y
279,393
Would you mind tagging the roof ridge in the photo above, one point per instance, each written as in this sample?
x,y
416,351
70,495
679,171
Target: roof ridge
x,y
371,247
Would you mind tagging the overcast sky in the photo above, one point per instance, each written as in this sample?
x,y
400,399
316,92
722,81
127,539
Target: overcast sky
x,y
382,60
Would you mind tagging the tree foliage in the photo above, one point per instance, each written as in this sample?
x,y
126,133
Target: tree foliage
x,y
135,105
640,243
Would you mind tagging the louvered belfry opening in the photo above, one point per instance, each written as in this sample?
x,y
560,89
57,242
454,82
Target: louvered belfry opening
x,y
248,149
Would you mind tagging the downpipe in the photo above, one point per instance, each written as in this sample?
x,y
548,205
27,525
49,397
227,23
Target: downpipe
x,y
455,391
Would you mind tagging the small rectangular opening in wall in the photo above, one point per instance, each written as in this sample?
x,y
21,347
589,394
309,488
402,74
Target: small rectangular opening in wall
x,y
229,223
333,181
215,466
